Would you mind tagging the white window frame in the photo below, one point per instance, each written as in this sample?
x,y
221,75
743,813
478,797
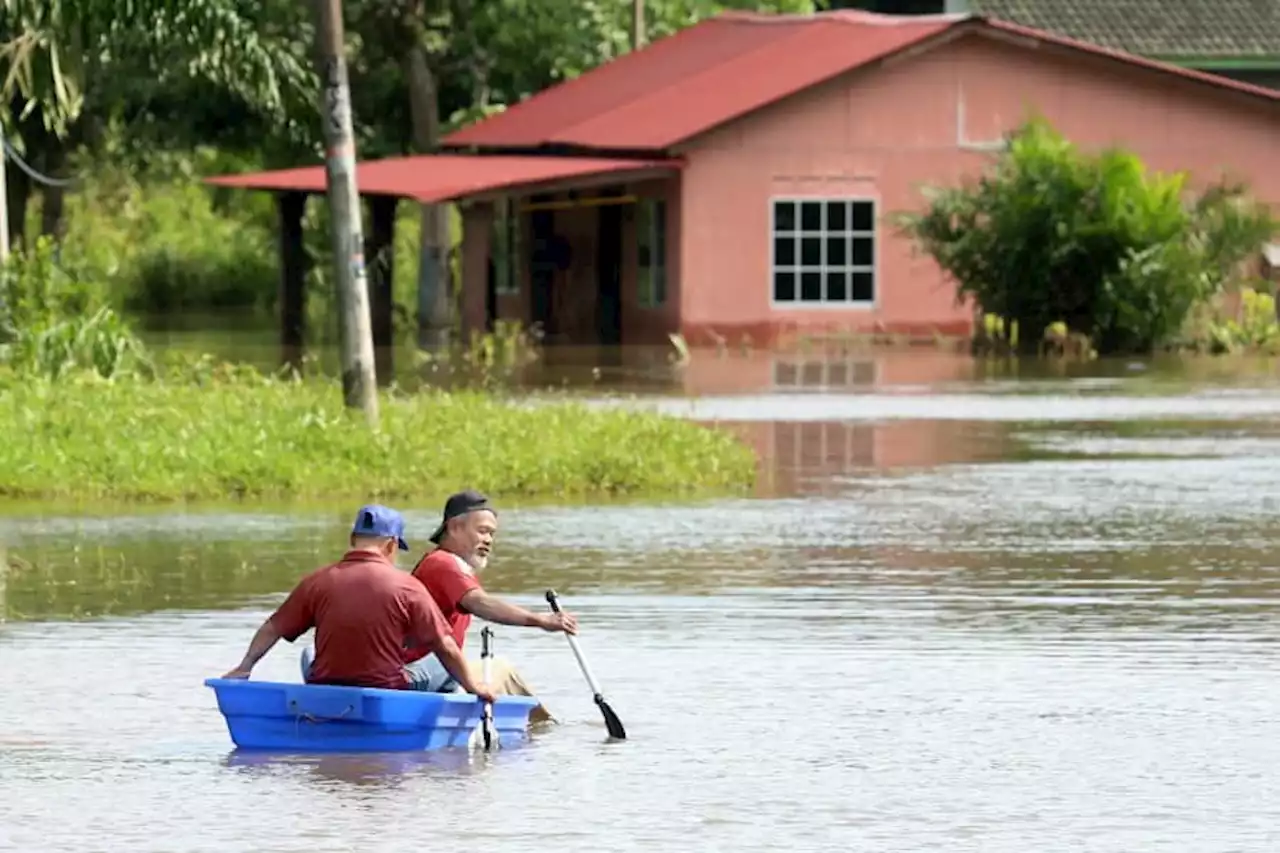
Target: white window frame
x,y
789,372
855,442
873,268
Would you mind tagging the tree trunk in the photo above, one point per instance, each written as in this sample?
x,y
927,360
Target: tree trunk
x,y
435,305
52,220
18,190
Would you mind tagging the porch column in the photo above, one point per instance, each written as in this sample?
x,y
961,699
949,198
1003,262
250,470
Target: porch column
x,y
380,254
477,229
292,295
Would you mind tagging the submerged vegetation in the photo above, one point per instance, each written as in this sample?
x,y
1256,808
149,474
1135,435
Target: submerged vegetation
x,y
1077,253
243,435
89,414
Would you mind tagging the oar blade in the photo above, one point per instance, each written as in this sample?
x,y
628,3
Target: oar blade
x,y
611,721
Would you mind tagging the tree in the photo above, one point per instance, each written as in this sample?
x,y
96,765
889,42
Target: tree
x,y
70,67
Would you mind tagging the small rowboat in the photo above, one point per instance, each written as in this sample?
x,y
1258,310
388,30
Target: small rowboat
x,y
288,717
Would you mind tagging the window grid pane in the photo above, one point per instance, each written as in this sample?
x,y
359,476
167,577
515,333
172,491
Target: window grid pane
x,y
823,251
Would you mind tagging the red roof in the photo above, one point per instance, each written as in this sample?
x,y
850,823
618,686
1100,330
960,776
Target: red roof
x,y
431,178
728,66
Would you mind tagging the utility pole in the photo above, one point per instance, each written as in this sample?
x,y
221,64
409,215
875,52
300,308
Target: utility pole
x,y
359,381
637,24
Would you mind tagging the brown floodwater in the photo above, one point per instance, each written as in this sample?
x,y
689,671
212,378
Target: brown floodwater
x,y
970,609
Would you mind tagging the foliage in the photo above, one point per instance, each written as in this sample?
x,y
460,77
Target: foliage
x,y
62,59
53,322
512,48
1255,327
129,110
488,358
88,415
211,433
1052,234
166,247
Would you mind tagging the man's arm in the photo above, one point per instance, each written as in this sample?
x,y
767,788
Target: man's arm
x,y
428,629
291,619
457,666
263,640
477,602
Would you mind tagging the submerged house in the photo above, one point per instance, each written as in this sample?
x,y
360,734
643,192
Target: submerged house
x,y
733,180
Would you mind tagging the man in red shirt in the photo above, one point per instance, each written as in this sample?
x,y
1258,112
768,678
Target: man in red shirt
x,y
365,611
464,540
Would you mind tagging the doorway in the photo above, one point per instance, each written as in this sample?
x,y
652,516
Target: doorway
x,y
609,275
542,265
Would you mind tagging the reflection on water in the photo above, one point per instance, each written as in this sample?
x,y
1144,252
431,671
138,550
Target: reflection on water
x,y
832,366
389,770
1023,614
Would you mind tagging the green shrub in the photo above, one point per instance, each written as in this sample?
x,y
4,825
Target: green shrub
x,y
1052,234
167,248
54,321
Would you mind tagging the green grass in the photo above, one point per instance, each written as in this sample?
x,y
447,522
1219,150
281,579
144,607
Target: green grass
x,y
86,440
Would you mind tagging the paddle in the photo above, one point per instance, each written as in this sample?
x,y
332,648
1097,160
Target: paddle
x,y
611,721
485,653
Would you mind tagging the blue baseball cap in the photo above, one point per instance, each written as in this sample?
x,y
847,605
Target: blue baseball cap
x,y
379,520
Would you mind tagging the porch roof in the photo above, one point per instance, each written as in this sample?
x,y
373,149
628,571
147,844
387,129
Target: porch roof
x,y
446,177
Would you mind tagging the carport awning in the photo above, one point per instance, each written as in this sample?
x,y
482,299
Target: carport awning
x,y
445,177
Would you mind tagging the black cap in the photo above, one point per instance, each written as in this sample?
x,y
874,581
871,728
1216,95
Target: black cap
x,y
461,504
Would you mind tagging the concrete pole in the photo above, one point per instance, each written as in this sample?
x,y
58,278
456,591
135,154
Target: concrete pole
x,y
359,381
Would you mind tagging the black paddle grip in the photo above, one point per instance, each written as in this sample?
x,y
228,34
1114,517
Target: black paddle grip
x,y
551,599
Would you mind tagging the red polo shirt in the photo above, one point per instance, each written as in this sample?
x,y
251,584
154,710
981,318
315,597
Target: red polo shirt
x,y
447,578
363,609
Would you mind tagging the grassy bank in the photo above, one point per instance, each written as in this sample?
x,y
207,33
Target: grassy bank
x,y
86,440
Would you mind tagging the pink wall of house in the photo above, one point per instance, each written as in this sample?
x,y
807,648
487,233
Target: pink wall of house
x,y
880,133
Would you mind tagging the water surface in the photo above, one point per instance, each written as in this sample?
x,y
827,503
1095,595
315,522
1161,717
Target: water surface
x,y
967,612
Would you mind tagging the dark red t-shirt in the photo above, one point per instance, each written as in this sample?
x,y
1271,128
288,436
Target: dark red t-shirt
x,y
447,578
363,609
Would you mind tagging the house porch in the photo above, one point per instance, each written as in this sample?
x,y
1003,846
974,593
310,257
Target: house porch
x,y
592,266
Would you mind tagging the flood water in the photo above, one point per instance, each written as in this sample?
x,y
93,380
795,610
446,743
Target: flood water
x,y
968,611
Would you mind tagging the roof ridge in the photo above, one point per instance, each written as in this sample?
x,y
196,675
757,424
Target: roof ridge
x,y
769,45
1133,59
860,17
578,80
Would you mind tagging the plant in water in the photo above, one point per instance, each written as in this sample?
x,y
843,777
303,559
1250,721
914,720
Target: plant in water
x,y
487,357
236,434
1119,254
509,345
1255,329
54,322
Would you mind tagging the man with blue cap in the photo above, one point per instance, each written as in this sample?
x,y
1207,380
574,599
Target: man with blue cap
x,y
364,611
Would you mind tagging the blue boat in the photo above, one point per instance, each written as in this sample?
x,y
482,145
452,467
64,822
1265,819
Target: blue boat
x,y
287,717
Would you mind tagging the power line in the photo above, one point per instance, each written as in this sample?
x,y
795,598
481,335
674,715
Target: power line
x,y
34,174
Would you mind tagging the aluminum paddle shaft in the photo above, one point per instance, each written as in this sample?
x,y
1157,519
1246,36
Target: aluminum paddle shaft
x,y
611,721
486,635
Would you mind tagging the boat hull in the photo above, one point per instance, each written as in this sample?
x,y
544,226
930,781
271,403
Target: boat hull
x,y
288,717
